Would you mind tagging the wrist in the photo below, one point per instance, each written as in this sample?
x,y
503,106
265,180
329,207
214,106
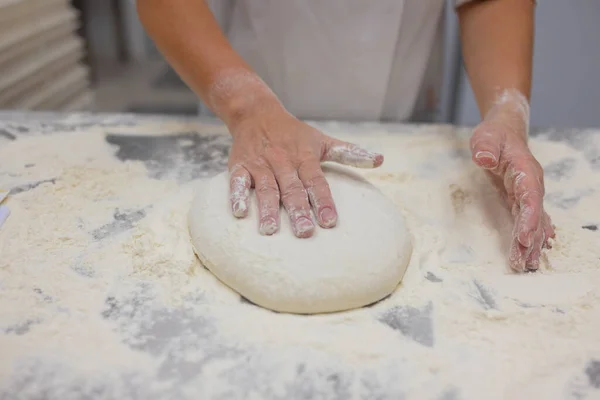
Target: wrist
x,y
510,108
238,95
513,99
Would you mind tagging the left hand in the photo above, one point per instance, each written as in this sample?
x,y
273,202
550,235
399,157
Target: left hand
x,y
499,145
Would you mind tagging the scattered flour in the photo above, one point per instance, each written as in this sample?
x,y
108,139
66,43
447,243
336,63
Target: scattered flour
x,y
96,304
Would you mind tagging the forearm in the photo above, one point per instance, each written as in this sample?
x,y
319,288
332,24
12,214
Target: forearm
x,y
497,42
189,37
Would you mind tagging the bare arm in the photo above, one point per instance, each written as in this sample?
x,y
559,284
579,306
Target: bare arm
x,y
188,35
497,41
272,151
497,37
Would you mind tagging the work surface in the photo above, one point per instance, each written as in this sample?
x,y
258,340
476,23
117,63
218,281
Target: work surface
x,y
101,295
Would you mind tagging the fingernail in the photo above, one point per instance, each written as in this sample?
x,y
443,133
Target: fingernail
x,y
268,226
240,209
486,157
304,227
328,217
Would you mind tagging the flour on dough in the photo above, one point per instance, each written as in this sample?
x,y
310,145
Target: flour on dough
x,y
358,262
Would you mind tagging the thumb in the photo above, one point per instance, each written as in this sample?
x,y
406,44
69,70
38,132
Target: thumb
x,y
486,146
350,154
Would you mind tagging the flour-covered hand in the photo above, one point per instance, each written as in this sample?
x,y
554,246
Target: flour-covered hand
x,y
280,156
499,145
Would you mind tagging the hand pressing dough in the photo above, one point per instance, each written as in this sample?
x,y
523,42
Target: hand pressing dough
x,y
358,262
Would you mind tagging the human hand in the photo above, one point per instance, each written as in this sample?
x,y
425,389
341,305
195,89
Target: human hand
x,y
280,156
499,145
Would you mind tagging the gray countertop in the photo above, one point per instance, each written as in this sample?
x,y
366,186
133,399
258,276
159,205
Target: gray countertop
x,y
246,371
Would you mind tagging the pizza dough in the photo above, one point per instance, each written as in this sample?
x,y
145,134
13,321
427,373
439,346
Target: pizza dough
x,y
358,262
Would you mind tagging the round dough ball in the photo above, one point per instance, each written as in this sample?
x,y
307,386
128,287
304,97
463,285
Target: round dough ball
x,y
357,263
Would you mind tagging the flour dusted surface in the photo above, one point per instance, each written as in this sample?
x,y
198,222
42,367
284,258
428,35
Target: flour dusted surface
x,y
101,295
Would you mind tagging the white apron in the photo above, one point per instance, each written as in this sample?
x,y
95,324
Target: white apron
x,y
341,59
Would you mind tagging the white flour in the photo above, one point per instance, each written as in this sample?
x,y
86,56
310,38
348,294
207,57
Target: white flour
x,y
134,314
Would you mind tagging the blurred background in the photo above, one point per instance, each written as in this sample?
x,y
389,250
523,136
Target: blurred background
x,y
93,55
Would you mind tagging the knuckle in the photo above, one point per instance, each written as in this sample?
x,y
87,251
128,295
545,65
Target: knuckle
x,y
538,168
265,183
236,167
239,180
475,136
482,130
317,180
268,210
529,159
294,192
298,187
233,163
320,181
310,171
308,154
320,195
267,188
276,156
260,163
295,185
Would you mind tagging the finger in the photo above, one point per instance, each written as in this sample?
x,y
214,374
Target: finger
x,y
295,201
239,191
351,154
319,194
486,147
549,231
519,253
523,180
529,197
267,196
530,217
533,260
508,180
519,256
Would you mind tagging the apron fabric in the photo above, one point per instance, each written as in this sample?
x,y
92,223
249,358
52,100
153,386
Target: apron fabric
x,y
341,59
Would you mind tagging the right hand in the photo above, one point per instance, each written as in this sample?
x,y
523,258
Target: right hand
x,y
280,157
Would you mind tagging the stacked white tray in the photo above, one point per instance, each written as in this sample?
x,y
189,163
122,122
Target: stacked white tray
x,y
40,57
